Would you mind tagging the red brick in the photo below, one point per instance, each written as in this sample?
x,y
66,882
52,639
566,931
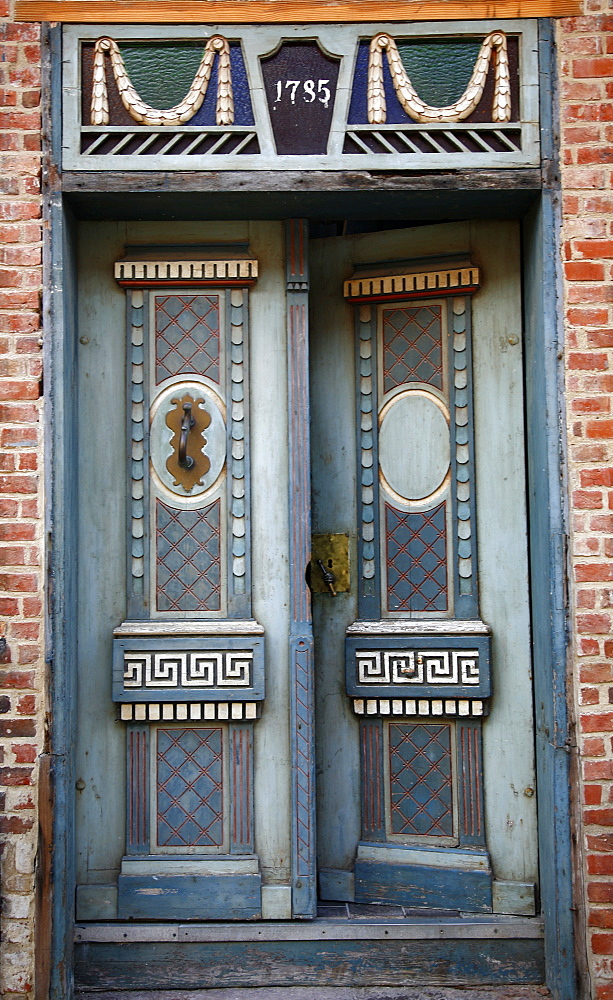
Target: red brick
x,y
32,607
26,705
600,338
17,727
587,499
15,824
22,582
589,647
16,679
599,428
586,361
586,573
594,154
28,654
579,270
588,317
602,944
592,795
600,842
596,68
597,477
26,753
601,918
598,769
600,722
15,775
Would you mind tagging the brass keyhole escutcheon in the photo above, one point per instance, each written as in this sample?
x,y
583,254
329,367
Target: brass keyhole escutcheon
x,y
188,462
330,564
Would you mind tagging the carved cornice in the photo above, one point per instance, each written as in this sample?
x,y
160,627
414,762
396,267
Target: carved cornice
x,y
450,281
139,273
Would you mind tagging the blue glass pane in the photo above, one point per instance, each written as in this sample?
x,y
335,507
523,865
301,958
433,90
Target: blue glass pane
x,y
162,75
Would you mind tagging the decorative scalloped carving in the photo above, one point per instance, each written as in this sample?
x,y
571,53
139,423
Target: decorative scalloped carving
x,y
495,42
144,113
237,433
463,483
137,508
366,445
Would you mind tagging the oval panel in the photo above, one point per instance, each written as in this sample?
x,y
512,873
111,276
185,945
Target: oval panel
x,y
414,446
212,440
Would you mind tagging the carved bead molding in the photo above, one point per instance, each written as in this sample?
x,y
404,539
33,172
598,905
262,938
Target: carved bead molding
x,y
495,43
461,707
235,271
413,284
144,113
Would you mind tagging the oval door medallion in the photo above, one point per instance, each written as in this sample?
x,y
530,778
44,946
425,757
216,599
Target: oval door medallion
x,y
205,442
414,445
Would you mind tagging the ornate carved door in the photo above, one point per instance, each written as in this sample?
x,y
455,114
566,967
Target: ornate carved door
x,y
196,762
419,461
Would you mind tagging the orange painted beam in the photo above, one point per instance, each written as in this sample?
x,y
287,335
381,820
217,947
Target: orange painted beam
x,y
283,11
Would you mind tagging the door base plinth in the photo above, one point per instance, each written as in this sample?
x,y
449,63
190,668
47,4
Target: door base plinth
x,y
463,952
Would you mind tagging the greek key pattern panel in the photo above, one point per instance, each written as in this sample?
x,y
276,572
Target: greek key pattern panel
x,y
418,667
464,486
188,670
237,432
137,453
187,331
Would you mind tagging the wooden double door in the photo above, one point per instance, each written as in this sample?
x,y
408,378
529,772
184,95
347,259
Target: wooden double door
x,y
304,637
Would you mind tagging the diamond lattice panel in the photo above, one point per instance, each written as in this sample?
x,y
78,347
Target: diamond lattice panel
x,y
412,349
186,336
421,789
188,558
189,788
416,546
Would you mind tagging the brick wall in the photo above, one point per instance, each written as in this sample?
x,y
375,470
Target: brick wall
x,y
585,51
21,531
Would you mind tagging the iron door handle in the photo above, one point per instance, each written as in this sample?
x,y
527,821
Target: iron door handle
x,y
185,460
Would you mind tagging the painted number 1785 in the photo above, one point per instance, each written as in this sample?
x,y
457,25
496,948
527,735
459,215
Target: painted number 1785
x,y
307,90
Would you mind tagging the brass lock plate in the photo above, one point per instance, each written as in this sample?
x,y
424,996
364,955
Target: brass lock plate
x,y
333,550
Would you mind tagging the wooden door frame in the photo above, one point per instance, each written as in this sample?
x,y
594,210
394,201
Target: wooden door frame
x,y
547,519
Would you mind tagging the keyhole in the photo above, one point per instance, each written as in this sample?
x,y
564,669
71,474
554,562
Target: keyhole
x,y
329,563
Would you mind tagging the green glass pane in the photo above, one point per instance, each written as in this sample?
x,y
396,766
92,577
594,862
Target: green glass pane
x,y
161,74
440,70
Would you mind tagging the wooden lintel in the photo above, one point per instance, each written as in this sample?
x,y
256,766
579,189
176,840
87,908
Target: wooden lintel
x,y
284,11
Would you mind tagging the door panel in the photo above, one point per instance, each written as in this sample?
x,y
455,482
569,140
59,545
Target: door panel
x,y
370,834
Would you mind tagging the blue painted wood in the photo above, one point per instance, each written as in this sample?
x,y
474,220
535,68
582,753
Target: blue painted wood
x,y
59,356
422,885
190,965
544,339
189,897
304,884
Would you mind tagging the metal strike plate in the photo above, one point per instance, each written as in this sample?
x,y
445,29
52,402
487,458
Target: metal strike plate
x,y
333,550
